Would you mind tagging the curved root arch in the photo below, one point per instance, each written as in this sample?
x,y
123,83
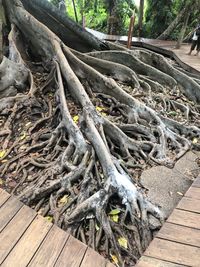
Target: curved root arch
x,y
96,121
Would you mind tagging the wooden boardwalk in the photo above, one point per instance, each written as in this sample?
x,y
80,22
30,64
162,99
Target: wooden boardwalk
x,y
189,63
27,239
177,244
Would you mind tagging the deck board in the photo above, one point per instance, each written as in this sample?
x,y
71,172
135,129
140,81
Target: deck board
x,y
189,204
152,262
73,251
185,218
14,230
193,192
4,196
174,252
8,210
89,257
26,247
54,242
178,242
181,234
29,240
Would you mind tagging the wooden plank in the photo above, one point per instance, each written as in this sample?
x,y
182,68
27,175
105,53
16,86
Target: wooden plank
x,y
24,250
174,252
8,211
92,256
185,218
193,192
189,204
73,251
14,230
152,262
109,264
4,196
181,234
50,248
196,182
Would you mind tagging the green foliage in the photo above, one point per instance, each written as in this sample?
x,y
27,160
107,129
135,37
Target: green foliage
x,y
159,14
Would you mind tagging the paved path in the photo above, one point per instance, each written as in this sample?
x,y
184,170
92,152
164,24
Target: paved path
x,y
27,239
177,244
190,63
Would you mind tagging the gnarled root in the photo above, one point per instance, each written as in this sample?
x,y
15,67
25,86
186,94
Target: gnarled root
x,y
80,138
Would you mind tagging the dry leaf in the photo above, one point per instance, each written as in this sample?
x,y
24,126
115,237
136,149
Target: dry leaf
x,y
114,259
49,218
23,136
4,161
76,118
1,182
28,123
64,199
195,140
123,242
2,153
180,194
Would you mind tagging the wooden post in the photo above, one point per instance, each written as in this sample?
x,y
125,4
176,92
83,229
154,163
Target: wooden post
x,y
130,32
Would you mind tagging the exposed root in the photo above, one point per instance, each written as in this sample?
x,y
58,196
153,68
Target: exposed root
x,y
80,128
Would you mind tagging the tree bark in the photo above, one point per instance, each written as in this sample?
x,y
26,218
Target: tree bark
x,y
141,13
183,30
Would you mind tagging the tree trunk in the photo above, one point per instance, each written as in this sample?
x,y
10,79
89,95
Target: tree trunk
x,y
62,6
141,13
113,19
183,30
79,128
165,35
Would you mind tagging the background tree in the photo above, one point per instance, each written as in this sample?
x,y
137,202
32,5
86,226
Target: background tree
x,y
158,16
141,15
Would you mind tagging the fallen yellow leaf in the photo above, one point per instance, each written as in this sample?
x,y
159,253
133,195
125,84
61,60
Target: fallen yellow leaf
x,y
114,218
2,153
123,242
76,118
114,212
99,108
1,182
114,259
49,218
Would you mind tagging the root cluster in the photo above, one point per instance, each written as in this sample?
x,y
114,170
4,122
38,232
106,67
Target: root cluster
x,y
78,129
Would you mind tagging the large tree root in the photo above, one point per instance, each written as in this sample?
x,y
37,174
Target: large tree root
x,y
86,128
